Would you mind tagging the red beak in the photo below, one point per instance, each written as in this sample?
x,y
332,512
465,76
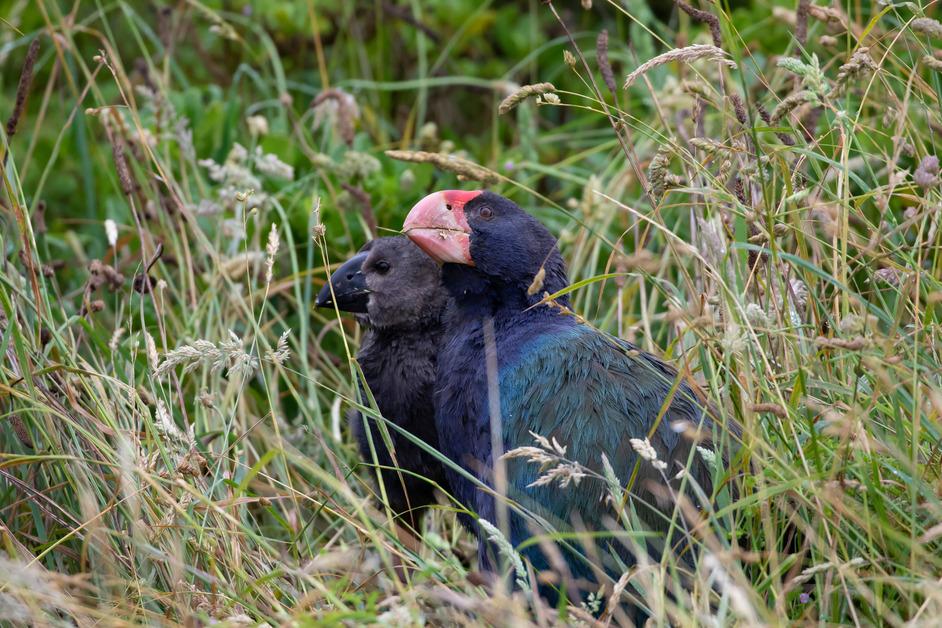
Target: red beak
x,y
437,224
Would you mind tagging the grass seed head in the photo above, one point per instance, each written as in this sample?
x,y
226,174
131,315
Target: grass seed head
x,y
111,232
927,26
22,88
281,352
688,54
450,163
258,125
271,165
605,66
927,173
337,107
537,283
569,59
706,18
274,242
801,22
860,64
522,93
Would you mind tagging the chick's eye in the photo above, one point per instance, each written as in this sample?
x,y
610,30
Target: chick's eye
x,y
382,267
486,213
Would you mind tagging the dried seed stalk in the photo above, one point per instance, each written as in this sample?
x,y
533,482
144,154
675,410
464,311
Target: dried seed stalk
x,y
932,63
927,173
927,26
39,217
522,94
22,89
791,103
684,55
739,108
801,22
450,163
120,158
853,344
537,283
828,15
605,66
859,64
706,18
785,138
771,408
347,112
660,177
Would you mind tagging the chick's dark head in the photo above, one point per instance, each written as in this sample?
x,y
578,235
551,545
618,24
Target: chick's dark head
x,y
389,284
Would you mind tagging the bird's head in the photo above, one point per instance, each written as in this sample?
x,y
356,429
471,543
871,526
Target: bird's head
x,y
490,233
390,282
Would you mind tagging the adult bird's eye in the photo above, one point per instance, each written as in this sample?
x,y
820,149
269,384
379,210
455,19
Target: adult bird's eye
x,y
382,267
486,213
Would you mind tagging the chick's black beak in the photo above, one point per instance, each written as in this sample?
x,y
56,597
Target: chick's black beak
x,y
349,287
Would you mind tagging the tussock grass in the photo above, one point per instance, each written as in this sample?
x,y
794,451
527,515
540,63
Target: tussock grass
x,y
172,438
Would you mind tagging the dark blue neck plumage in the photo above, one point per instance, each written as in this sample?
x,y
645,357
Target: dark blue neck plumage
x,y
477,294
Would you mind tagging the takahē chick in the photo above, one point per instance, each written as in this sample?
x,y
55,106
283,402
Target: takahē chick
x,y
555,377
395,291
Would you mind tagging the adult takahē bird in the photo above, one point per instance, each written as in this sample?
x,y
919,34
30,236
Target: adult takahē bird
x,y
396,293
555,376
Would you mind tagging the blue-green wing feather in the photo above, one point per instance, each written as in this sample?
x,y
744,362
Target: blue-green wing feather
x,y
592,393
